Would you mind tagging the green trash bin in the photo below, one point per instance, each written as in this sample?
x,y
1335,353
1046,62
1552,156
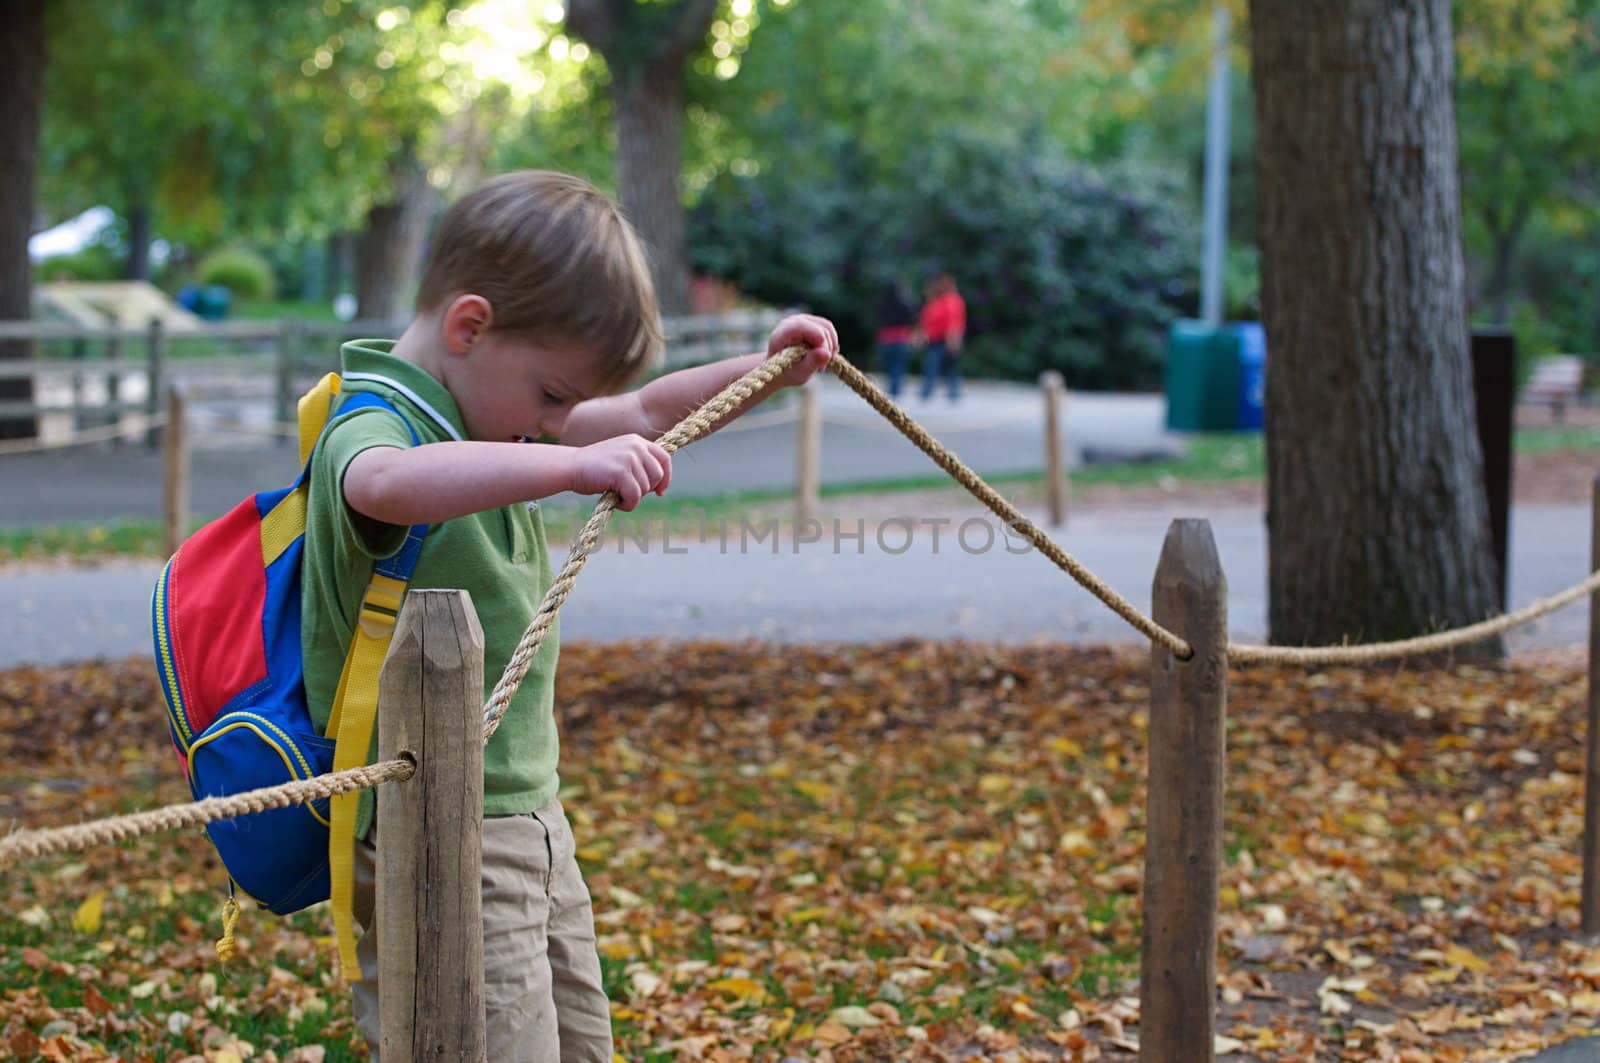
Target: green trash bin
x,y
1203,377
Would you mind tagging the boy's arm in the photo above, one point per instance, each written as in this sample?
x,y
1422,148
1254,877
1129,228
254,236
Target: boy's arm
x,y
662,403
440,481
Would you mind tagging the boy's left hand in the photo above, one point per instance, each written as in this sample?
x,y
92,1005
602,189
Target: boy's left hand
x,y
804,330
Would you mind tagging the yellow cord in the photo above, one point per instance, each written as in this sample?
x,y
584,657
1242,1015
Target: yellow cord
x,y
226,945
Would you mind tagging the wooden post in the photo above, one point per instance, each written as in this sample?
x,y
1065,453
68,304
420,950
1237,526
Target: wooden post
x,y
1591,768
155,371
114,384
430,834
80,353
808,475
175,480
1055,472
288,351
1183,840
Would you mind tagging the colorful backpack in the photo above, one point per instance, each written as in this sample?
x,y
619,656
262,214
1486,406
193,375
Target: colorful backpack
x,y
226,617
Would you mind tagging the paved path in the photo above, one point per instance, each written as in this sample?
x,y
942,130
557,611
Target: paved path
x,y
995,428
837,589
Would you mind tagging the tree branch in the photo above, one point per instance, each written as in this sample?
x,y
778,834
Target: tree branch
x,y
694,20
596,21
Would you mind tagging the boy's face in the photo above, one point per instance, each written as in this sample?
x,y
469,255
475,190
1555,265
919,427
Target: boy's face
x,y
510,388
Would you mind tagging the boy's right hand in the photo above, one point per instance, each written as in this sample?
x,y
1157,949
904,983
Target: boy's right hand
x,y
630,465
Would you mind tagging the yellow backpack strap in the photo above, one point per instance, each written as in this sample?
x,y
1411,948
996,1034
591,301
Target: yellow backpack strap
x,y
313,410
355,710
355,702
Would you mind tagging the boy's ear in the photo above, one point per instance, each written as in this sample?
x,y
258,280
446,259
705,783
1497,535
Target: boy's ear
x,y
466,319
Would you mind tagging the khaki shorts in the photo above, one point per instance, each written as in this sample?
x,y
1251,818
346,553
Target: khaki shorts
x,y
541,977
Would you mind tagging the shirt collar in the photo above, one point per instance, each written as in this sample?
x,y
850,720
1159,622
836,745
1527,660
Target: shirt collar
x,y
411,382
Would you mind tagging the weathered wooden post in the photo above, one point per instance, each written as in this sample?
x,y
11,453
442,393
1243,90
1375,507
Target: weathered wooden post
x,y
114,381
155,371
430,830
1183,839
808,475
1055,473
175,478
288,352
1591,767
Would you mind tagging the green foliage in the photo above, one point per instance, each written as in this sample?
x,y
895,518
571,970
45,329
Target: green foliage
x,y
94,263
243,272
1062,266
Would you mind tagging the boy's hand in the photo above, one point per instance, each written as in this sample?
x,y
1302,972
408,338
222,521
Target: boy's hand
x,y
804,330
630,465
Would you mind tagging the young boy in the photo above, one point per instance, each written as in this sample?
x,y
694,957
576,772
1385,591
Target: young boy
x,y
535,310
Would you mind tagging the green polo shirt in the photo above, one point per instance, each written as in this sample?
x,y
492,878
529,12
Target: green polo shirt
x,y
498,556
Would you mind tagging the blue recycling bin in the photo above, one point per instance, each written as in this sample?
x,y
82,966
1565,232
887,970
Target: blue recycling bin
x,y
1252,375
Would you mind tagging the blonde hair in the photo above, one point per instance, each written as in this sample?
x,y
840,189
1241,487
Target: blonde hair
x,y
557,260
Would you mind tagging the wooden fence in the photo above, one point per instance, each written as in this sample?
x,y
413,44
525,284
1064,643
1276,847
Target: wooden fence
x,y
97,374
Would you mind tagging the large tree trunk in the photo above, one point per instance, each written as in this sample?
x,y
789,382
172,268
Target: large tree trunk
x,y
1377,514
646,47
22,61
649,116
389,251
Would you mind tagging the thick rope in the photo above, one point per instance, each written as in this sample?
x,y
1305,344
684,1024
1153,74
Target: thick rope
x,y
131,425
29,844
1422,644
863,386
681,434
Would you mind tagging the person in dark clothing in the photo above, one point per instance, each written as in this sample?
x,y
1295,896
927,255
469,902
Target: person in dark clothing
x,y
897,320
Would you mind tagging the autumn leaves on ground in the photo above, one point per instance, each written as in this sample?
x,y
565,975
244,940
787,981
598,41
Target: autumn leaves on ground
x,y
913,851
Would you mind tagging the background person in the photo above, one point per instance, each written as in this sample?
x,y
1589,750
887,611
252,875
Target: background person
x,y
942,328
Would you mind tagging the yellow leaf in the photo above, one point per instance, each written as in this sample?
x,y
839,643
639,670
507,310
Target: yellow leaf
x,y
1457,956
993,784
808,915
1075,843
666,817
1585,1002
817,791
86,920
1066,747
742,991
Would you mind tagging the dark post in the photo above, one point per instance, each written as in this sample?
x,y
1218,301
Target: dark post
x,y
1183,837
155,374
1591,770
1494,378
429,900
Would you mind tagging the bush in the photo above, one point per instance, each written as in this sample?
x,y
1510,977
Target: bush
x,y
243,272
93,263
1062,266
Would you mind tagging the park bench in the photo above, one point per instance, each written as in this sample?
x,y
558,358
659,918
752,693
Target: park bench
x,y
1557,380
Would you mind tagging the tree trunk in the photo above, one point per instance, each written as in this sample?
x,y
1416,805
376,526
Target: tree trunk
x,y
389,251
139,243
1378,523
649,116
22,63
646,54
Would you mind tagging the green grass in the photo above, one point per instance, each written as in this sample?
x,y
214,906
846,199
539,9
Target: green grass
x,y
272,309
1209,459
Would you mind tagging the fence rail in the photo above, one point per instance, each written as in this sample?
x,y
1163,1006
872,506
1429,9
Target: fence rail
x,y
280,357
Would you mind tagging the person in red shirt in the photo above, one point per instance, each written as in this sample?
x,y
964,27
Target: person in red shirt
x,y
942,328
